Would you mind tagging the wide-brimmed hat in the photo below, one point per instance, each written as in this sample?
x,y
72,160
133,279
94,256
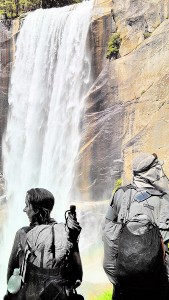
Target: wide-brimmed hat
x,y
144,162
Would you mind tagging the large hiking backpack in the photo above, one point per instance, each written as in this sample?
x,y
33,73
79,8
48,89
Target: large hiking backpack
x,y
140,258
47,246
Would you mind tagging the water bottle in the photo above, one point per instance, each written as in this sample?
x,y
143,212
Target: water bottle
x,y
72,224
14,282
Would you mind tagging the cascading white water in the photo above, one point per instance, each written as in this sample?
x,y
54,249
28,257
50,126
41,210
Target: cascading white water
x,y
49,80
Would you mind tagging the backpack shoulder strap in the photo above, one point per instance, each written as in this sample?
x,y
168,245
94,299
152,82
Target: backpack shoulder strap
x,y
27,252
126,203
26,229
53,241
52,245
127,187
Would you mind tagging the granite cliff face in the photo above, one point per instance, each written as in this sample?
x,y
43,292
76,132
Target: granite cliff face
x,y
127,109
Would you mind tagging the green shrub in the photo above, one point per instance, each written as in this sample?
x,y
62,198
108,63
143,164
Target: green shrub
x,y
58,3
118,184
11,9
147,35
113,46
107,295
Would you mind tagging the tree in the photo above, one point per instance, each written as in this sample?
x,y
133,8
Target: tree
x,y
113,46
11,9
57,3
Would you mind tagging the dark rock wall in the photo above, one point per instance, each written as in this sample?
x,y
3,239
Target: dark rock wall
x,y
103,121
8,35
99,33
5,56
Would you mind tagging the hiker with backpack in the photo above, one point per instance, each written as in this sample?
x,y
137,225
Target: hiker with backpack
x,y
45,260
136,234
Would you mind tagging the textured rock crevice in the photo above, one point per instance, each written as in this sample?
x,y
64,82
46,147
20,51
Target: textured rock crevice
x,y
134,19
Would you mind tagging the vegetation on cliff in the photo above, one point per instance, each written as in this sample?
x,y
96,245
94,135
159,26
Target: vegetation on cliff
x,y
58,3
113,46
147,35
118,184
10,9
107,295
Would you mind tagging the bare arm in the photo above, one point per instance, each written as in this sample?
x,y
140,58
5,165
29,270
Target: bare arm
x,y
14,257
75,265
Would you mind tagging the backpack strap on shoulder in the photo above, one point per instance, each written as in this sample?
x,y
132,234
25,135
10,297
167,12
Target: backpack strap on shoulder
x,y
26,228
42,256
53,241
126,202
24,263
127,187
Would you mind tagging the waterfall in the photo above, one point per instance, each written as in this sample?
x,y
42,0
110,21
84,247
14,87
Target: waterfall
x,y
49,80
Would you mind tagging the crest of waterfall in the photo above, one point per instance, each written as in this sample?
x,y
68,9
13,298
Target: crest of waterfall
x,y
50,78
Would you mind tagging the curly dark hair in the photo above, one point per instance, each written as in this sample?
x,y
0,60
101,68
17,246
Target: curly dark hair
x,y
42,202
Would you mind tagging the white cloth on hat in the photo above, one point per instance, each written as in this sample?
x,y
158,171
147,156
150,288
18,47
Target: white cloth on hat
x,y
154,176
